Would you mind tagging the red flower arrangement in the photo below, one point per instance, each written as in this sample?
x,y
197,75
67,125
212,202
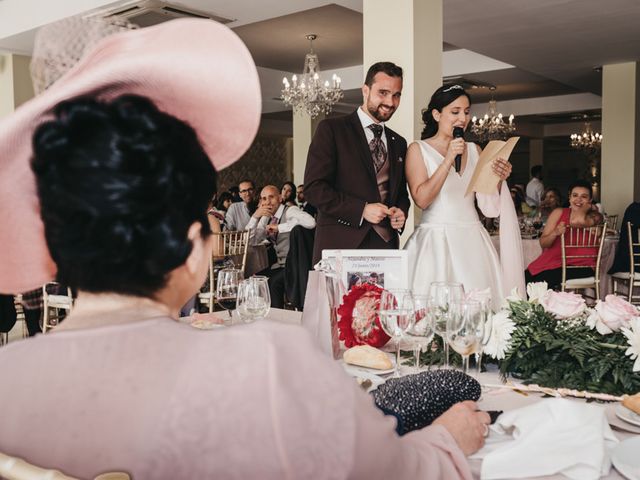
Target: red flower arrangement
x,y
363,327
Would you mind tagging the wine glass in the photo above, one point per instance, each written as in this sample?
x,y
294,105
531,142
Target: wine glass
x,y
396,316
441,294
484,298
254,299
421,332
227,288
465,328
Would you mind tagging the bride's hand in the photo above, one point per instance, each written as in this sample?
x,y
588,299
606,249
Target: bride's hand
x,y
502,168
456,147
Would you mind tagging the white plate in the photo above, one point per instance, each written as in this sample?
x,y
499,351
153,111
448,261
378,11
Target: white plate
x,y
617,422
627,415
626,459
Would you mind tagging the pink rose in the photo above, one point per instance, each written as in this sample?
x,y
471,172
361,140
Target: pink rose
x,y
563,304
615,312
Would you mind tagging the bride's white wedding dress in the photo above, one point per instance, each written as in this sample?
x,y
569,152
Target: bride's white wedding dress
x,y
450,244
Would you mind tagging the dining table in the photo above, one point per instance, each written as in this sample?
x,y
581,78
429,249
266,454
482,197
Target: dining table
x,y
496,395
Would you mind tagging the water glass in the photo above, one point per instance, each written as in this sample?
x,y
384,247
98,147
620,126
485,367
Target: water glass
x,y
441,294
465,329
254,300
421,333
396,313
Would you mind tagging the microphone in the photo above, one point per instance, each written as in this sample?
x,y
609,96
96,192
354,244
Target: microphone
x,y
458,132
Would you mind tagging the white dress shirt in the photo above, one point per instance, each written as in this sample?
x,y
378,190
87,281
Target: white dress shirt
x,y
293,216
237,216
535,190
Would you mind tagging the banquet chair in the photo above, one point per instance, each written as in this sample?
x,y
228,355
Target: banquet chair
x,y
13,468
229,248
581,243
55,301
612,222
630,280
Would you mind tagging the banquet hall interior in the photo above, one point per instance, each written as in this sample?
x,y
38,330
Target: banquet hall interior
x,y
551,72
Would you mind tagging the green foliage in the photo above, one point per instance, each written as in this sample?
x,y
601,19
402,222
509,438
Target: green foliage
x,y
566,354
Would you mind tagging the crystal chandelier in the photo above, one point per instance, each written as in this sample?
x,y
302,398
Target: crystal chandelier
x,y
492,126
308,93
588,140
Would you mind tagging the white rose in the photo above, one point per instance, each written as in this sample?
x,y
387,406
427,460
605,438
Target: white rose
x,y
536,290
563,304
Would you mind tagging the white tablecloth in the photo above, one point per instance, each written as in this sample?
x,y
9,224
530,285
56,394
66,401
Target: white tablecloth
x,y
531,250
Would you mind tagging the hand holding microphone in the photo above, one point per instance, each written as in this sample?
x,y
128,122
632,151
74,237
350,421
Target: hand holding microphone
x,y
458,132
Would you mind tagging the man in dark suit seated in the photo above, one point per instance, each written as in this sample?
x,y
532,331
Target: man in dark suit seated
x,y
271,223
303,204
355,170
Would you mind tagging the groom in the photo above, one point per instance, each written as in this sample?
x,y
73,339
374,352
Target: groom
x,y
355,170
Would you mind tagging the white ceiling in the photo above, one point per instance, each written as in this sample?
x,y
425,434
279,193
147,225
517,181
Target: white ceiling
x,y
548,48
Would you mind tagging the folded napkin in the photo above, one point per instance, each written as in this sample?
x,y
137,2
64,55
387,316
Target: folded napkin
x,y
553,436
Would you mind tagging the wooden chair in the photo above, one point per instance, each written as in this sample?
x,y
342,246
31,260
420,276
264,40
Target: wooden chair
x,y
13,468
54,301
574,242
228,247
612,222
630,280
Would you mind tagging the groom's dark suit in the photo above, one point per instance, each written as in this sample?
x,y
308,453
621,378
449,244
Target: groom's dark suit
x,y
340,179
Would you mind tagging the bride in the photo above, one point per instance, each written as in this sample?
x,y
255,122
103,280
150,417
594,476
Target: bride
x,y
450,244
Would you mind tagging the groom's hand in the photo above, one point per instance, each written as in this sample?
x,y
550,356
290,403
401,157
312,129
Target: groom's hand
x,y
397,218
375,212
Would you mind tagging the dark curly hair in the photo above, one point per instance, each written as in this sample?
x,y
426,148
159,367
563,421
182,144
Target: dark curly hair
x,y
440,99
120,183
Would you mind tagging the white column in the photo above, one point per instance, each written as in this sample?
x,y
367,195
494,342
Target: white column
x,y
620,158
303,129
15,82
408,33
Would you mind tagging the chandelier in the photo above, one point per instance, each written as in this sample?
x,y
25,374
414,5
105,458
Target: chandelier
x,y
492,126
588,140
308,93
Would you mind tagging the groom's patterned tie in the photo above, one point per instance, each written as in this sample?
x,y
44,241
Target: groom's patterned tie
x,y
378,150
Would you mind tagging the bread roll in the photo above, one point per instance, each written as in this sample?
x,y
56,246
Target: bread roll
x,y
367,356
632,402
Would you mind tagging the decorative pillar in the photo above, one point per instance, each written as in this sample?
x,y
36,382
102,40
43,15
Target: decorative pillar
x,y
303,129
620,176
408,33
15,82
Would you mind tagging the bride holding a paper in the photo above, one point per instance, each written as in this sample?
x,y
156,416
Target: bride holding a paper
x,y
450,244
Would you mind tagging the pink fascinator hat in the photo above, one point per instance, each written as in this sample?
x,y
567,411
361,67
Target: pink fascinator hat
x,y
196,70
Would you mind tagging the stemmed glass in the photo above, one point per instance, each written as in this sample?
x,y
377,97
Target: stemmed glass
x,y
465,329
396,316
227,288
441,294
421,332
254,299
487,317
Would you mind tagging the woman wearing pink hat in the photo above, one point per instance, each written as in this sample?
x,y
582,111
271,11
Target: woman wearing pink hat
x,y
123,154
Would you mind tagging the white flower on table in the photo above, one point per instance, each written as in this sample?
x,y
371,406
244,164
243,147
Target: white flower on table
x,y
501,329
536,290
563,305
633,335
612,314
514,296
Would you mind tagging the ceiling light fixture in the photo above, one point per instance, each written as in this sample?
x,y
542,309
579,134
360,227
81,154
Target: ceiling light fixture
x,y
492,126
587,141
308,93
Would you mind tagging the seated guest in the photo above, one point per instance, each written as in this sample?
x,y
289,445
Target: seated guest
x,y
303,204
240,213
119,189
225,200
550,201
622,262
518,201
548,266
272,222
288,194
